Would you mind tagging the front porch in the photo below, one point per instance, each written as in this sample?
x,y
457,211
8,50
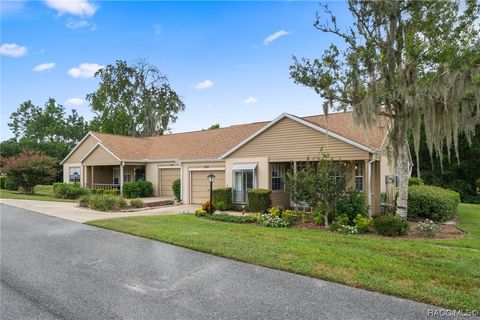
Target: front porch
x,y
112,177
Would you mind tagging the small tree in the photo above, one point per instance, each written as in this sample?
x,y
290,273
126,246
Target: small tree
x,y
29,169
319,184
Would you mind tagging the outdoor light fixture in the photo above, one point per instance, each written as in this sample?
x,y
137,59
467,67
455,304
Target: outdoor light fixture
x,y
211,178
76,177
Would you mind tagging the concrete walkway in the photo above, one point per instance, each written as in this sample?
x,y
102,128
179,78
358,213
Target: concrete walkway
x,y
71,211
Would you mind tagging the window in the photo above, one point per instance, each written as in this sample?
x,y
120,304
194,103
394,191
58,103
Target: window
x,y
116,175
278,176
359,176
74,174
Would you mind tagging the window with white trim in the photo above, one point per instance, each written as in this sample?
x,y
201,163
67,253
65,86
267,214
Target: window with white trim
x,y
359,176
278,177
74,174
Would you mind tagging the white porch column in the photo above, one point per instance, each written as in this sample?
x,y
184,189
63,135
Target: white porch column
x,y
121,177
92,168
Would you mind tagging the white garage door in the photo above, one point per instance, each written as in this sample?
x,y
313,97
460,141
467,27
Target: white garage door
x,y
200,187
166,177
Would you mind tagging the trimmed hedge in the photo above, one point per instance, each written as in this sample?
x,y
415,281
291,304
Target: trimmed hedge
x,y
138,189
70,191
414,181
223,195
3,182
390,226
103,202
176,187
259,200
433,203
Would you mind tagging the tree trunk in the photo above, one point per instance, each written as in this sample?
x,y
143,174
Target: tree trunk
x,y
403,170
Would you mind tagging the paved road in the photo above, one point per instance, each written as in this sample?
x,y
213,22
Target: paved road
x,y
57,269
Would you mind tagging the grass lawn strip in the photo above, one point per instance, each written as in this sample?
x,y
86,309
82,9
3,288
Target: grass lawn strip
x,y
42,192
440,272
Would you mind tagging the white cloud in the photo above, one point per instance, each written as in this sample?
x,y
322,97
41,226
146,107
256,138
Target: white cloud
x,y
250,100
74,102
84,70
44,67
12,50
81,8
275,36
79,24
203,85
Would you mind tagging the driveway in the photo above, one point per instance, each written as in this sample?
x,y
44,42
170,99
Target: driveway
x,y
57,269
71,211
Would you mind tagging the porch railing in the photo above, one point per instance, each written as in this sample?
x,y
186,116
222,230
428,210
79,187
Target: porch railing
x,y
105,186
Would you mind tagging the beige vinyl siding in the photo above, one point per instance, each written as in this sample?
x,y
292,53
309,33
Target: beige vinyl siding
x,y
166,178
82,150
376,187
280,199
289,140
200,188
99,157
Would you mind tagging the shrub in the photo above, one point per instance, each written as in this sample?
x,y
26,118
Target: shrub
x,y
290,216
390,225
414,181
346,229
137,203
85,200
3,182
224,195
70,191
275,211
259,200
121,202
11,185
428,228
305,219
112,192
317,219
431,202
362,223
145,188
220,205
233,219
268,220
176,187
131,190
102,202
341,220
201,213
352,203
29,169
206,206
55,185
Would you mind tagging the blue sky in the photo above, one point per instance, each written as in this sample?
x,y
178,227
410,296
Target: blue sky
x,y
228,60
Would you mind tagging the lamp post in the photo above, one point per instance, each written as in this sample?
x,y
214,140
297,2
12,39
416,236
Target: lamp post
x,y
211,178
76,177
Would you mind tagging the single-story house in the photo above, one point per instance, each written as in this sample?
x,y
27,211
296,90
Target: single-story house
x,y
246,156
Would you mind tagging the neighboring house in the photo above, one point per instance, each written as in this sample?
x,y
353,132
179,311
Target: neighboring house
x,y
254,155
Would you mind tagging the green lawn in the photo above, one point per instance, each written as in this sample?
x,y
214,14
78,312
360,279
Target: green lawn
x,y
441,272
42,192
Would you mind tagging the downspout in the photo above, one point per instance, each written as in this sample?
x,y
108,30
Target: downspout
x,y
370,184
122,163
181,181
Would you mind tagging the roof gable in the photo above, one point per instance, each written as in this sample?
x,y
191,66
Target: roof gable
x,y
301,121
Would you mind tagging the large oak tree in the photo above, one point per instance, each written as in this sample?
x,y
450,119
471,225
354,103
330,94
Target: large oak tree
x,y
415,62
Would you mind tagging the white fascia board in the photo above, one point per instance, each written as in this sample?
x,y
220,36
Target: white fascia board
x,y
207,169
201,160
78,145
